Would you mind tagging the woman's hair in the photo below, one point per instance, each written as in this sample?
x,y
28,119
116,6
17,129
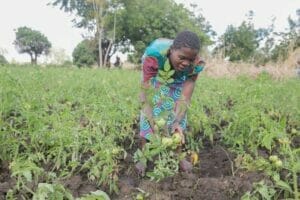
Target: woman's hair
x,y
186,39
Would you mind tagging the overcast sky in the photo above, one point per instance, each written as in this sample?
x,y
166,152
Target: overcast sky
x,y
58,28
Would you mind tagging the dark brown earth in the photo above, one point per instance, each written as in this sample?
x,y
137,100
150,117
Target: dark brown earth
x,y
214,178
211,179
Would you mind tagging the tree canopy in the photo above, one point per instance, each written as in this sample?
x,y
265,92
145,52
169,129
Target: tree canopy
x,y
142,21
245,43
31,42
84,54
134,23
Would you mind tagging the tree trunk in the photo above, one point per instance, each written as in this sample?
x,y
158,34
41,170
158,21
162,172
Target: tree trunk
x,y
100,47
107,52
33,58
110,42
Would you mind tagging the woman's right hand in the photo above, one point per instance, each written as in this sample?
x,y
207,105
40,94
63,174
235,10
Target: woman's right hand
x,y
176,129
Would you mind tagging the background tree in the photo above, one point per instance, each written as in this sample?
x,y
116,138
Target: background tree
x,y
91,15
289,41
141,21
31,42
267,39
259,46
3,60
239,43
132,24
84,54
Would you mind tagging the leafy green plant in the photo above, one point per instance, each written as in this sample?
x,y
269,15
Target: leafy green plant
x,y
59,122
25,171
53,191
97,195
261,191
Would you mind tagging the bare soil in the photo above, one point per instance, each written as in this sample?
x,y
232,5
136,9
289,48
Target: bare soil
x,y
214,178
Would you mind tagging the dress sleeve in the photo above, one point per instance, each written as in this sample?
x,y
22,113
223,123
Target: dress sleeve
x,y
150,68
194,74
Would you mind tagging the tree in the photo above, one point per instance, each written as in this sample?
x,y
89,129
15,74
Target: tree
x,y
92,14
142,21
3,60
84,54
124,24
289,40
31,42
239,43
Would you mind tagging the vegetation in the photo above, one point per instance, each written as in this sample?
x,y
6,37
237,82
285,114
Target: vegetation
x,y
3,60
57,123
125,24
84,54
31,42
63,124
259,46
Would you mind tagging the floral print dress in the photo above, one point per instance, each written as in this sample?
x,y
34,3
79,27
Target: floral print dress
x,y
154,59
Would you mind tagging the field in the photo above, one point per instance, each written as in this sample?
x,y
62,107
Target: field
x,y
72,134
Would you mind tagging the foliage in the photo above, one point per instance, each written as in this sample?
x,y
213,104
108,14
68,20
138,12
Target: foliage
x,y
76,121
259,46
251,118
59,124
31,42
138,22
142,21
261,191
84,54
239,43
51,192
92,15
289,40
97,195
3,60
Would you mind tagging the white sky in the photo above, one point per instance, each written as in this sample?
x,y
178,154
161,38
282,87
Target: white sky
x,y
58,28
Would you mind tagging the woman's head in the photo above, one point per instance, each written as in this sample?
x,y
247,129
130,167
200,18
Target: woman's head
x,y
184,50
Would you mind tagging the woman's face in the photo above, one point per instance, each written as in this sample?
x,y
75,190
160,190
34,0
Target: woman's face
x,y
182,58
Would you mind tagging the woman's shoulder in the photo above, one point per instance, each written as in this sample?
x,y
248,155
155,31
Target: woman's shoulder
x,y
159,46
158,50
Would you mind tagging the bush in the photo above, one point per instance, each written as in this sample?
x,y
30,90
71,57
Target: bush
x,y
3,60
83,54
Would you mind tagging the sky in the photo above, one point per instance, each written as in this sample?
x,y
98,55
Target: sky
x,y
56,25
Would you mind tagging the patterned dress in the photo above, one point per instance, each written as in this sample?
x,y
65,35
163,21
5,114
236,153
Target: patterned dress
x,y
154,59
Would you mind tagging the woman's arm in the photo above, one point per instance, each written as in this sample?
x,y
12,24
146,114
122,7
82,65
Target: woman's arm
x,y
150,69
146,104
182,105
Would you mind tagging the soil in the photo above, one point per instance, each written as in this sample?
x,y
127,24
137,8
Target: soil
x,y
214,178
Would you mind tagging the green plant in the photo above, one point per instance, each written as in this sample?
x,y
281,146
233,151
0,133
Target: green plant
x,y
97,195
25,171
53,191
261,191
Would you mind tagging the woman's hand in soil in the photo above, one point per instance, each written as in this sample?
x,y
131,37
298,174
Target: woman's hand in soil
x,y
176,129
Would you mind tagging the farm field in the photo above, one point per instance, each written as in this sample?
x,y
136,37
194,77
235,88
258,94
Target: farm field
x,y
72,134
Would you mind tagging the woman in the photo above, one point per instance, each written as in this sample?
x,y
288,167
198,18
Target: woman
x,y
182,55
